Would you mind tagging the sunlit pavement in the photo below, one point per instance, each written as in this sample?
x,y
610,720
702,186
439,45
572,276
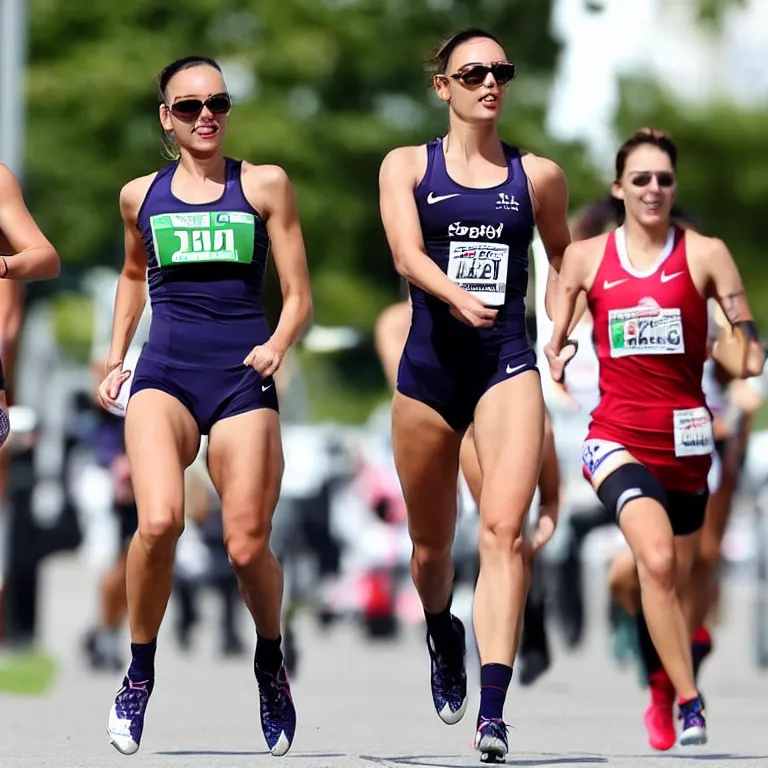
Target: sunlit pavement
x,y
366,704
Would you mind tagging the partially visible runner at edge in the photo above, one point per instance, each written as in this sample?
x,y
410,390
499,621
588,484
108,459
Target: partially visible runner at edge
x,y
391,332
200,231
649,447
25,255
459,215
102,641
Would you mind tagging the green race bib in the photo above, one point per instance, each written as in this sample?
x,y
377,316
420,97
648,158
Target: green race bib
x,y
185,238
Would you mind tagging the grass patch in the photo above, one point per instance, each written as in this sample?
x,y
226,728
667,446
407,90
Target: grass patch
x,y
761,418
26,672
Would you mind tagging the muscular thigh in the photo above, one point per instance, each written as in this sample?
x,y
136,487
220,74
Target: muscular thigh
x,y
426,453
245,461
509,435
161,440
470,466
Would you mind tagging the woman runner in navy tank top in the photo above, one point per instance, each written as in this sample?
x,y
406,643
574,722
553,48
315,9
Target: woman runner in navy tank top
x,y
459,214
200,231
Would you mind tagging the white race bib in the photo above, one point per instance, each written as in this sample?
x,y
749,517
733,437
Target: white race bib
x,y
693,432
645,331
481,269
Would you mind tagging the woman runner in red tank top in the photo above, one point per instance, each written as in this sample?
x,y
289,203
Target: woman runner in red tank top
x,y
650,334
650,442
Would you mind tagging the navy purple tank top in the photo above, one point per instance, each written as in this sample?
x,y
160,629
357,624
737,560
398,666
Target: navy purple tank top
x,y
207,263
480,238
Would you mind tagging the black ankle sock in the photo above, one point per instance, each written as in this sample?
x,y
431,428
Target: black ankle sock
x,y
269,656
494,682
440,626
142,661
648,650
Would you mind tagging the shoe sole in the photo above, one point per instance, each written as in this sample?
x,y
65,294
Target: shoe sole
x,y
282,746
124,748
492,750
449,717
693,737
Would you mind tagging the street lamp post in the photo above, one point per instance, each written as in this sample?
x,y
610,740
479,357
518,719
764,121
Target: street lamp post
x,y
13,43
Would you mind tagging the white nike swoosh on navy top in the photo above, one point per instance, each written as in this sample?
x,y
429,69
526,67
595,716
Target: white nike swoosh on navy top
x,y
264,389
607,285
666,278
432,198
516,368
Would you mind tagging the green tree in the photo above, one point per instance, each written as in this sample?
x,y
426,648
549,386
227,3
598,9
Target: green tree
x,y
712,12
324,88
335,85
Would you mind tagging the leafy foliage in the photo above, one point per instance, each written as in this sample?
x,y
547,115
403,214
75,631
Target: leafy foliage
x,y
324,88
723,171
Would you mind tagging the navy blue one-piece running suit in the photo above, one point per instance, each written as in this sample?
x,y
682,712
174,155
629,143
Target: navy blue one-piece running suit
x,y
206,276
480,238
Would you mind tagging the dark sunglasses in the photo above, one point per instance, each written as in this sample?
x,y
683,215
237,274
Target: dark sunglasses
x,y
475,74
665,179
217,105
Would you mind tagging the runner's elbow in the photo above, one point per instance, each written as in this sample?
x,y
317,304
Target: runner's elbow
x,y
52,264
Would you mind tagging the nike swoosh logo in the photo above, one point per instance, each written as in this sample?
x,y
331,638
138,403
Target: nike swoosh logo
x,y
516,368
607,285
432,198
264,389
666,278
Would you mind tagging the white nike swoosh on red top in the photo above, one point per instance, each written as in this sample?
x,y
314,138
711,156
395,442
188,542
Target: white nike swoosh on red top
x,y
613,284
666,278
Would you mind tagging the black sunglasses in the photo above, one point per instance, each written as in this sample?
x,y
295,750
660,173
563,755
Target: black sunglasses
x,y
220,104
665,179
475,74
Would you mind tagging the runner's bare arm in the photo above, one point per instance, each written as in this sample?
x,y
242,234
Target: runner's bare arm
x,y
550,199
574,270
549,477
271,184
11,319
131,292
34,258
728,288
399,215
390,334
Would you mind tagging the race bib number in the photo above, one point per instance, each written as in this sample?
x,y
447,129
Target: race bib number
x,y
184,238
693,432
645,331
481,269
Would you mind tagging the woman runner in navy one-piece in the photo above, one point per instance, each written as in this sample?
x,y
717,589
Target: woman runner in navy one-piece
x,y
459,214
200,231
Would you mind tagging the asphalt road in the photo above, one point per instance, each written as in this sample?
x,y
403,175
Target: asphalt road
x,y
369,705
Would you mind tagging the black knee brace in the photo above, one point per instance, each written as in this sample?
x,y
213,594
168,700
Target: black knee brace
x,y
630,481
